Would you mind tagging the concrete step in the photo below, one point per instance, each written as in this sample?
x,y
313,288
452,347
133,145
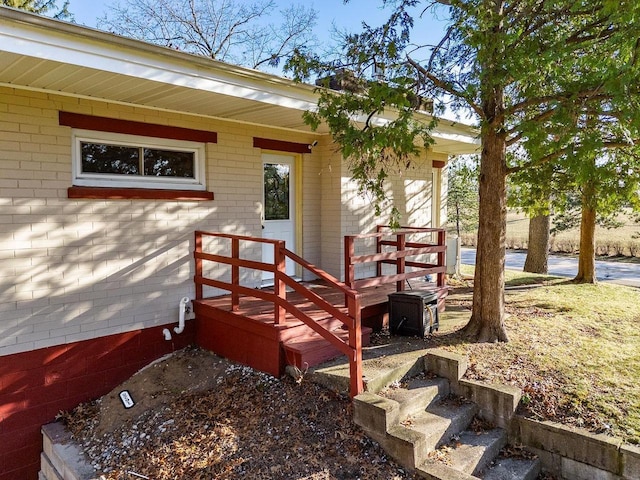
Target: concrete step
x,y
471,452
410,421
500,468
513,469
417,395
436,470
414,438
381,366
442,421
313,349
377,413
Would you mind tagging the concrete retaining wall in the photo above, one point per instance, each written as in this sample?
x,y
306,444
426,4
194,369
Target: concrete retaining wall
x,y
497,403
62,458
575,454
566,452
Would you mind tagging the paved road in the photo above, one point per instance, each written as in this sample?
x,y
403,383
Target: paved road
x,y
615,272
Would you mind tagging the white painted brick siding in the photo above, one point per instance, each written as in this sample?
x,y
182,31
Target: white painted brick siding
x,y
345,212
79,269
76,269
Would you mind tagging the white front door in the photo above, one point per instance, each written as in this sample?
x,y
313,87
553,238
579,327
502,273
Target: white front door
x,y
278,207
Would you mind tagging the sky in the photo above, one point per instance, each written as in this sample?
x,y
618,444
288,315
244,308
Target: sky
x,y
330,12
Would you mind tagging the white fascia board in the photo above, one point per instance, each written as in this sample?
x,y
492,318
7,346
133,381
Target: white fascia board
x,y
71,44
445,130
456,137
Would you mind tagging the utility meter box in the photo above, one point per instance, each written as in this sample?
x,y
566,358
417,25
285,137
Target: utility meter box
x,y
413,312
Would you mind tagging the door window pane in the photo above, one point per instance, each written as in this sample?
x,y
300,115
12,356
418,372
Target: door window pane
x,y
276,191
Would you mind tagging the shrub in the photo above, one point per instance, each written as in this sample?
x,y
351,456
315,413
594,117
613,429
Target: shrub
x,y
602,248
617,248
468,239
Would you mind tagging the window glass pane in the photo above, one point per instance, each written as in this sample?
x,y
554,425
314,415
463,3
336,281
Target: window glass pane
x,y
103,158
168,163
276,191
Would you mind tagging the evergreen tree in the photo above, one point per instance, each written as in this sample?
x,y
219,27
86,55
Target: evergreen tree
x,y
462,194
587,188
531,192
42,7
556,78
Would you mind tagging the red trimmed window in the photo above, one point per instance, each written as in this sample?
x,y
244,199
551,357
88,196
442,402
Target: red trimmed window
x,y
125,155
103,159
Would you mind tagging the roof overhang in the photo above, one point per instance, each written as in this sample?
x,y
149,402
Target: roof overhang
x,y
44,54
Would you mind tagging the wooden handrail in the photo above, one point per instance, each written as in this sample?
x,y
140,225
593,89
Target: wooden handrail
x,y
239,237
400,257
350,318
327,277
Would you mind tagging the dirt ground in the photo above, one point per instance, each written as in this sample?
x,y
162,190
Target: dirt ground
x,y
197,416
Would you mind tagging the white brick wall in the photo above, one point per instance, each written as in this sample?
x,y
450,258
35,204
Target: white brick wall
x,y
412,193
78,269
331,173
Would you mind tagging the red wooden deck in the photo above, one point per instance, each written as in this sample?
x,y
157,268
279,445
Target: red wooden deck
x,y
250,336
303,324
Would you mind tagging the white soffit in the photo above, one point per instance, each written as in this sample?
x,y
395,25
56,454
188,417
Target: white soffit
x,y
455,138
41,53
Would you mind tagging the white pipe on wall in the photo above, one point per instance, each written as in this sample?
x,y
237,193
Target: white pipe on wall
x,y
166,334
184,301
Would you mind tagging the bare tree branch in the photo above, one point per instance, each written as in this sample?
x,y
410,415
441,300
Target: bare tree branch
x,y
245,33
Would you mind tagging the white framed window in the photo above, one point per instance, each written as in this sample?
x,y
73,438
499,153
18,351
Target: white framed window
x,y
104,159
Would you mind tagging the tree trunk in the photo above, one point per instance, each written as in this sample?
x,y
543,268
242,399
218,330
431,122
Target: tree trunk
x,y
587,256
538,251
487,318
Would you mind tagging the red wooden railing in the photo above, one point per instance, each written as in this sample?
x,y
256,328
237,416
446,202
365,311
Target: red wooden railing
x,y
349,314
404,250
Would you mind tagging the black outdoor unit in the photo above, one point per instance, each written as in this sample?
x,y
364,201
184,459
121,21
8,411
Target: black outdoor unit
x,y
413,312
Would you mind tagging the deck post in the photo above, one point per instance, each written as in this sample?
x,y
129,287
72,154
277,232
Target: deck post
x,y
349,269
442,242
235,274
279,287
197,250
401,261
356,386
379,250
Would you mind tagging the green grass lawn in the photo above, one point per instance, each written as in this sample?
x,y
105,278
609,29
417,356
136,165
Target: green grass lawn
x,y
574,350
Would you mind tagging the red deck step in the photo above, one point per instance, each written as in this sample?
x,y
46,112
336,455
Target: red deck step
x,y
313,349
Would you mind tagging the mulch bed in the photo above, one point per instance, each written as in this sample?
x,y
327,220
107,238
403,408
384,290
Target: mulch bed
x,y
248,425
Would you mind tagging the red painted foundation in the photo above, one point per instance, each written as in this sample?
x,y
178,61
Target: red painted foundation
x,y
240,339
36,385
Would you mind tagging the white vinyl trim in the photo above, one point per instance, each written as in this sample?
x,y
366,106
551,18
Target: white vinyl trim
x,y
85,179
